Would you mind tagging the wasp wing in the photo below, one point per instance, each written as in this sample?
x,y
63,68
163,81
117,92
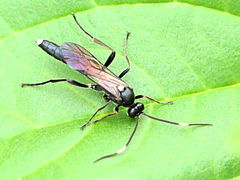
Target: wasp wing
x,y
80,59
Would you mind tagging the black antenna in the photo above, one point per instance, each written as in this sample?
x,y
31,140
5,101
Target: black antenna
x,y
175,123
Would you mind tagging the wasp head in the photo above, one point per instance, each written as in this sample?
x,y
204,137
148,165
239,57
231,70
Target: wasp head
x,y
135,109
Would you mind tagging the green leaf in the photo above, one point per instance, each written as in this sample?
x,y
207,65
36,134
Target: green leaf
x,y
188,52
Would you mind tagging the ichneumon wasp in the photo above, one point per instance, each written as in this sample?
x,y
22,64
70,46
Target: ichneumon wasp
x,y
115,89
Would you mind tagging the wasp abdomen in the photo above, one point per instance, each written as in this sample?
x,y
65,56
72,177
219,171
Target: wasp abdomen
x,y
51,48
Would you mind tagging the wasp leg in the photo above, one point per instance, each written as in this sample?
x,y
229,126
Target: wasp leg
x,y
112,55
126,57
110,59
142,96
73,82
99,109
123,148
104,117
108,115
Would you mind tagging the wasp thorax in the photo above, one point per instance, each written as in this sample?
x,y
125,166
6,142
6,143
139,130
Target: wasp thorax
x,y
121,88
135,109
127,96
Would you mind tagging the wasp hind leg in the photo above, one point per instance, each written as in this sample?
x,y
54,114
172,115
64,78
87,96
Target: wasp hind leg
x,y
112,55
70,81
126,57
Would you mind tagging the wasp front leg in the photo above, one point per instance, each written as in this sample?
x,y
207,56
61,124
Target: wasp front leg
x,y
151,99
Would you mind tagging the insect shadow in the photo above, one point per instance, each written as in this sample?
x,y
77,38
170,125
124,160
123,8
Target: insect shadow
x,y
115,89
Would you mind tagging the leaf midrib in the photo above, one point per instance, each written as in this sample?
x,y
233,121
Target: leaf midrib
x,y
121,110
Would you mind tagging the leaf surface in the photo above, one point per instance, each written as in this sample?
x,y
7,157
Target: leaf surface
x,y
186,52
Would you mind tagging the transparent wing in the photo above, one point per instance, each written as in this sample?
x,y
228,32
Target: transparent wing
x,y
80,59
